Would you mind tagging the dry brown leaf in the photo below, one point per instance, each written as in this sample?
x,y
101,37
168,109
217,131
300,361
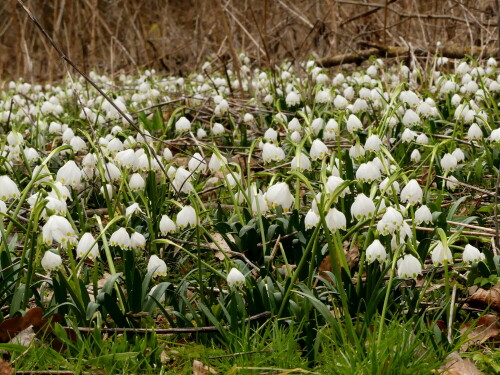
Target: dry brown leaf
x,y
220,242
483,298
5,368
456,365
200,369
487,328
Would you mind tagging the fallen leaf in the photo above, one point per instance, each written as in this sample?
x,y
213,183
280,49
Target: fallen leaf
x,y
222,244
487,329
200,369
483,298
456,365
5,368
9,328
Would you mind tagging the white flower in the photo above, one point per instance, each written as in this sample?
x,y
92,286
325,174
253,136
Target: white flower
x,y
218,129
362,207
133,209
333,182
87,246
182,181
259,204
136,182
409,267
112,173
294,125
167,154
3,208
59,229
472,255
474,132
318,150
335,220
120,238
412,193
495,135
408,136
323,96
368,172
114,145
331,129
233,178
182,124
422,139
317,125
394,185
31,155
292,99
311,219
137,241
440,254
423,215
410,118
296,137
270,152
8,188
448,162
415,156
109,190
451,182
376,251
356,151
217,163
301,163
167,225
373,143
459,155
248,118
271,135
279,195
186,217
157,266
390,222
126,158
51,261
235,278
353,124
201,133
69,174
197,164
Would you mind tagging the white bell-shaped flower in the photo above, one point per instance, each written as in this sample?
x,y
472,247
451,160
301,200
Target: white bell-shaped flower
x,y
182,181
182,124
292,99
362,207
69,174
318,150
197,164
279,195
157,266
409,267
335,220
373,143
301,163
353,124
440,254
368,172
87,247
59,229
217,163
235,278
412,193
423,215
8,188
390,222
448,162
186,217
137,241
167,225
51,261
311,219
120,238
332,183
136,182
375,251
472,254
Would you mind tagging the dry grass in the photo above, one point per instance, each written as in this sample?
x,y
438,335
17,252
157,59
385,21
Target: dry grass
x,y
175,36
